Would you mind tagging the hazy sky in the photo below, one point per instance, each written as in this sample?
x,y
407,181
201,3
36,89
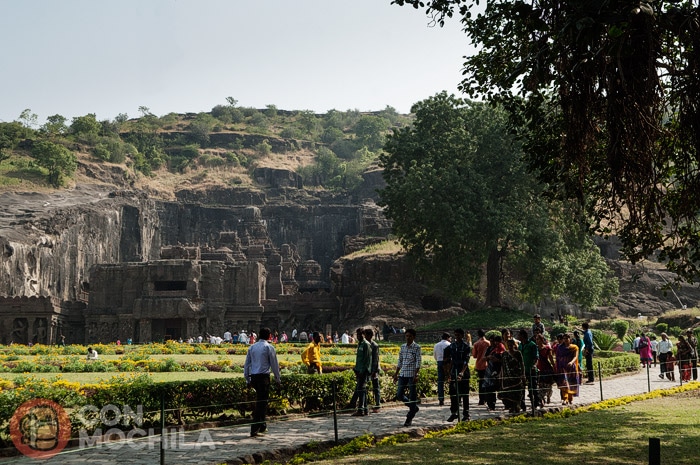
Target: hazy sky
x,y
73,57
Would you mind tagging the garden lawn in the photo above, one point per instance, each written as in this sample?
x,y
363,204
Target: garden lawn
x,y
486,319
615,436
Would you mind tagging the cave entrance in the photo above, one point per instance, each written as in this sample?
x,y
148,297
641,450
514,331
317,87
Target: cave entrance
x,y
167,329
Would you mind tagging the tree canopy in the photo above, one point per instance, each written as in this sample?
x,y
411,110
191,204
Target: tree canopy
x,y
60,161
459,196
609,90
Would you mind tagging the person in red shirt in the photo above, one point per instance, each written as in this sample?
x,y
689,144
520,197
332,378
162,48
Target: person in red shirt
x,y
479,354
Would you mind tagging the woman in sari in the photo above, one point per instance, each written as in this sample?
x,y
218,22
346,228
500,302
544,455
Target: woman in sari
x,y
568,374
684,355
493,355
512,392
545,366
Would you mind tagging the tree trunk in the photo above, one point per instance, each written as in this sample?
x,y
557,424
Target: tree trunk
x,y
493,278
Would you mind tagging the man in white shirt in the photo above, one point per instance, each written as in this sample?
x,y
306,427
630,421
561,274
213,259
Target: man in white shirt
x,y
260,360
227,336
664,348
438,354
92,354
345,339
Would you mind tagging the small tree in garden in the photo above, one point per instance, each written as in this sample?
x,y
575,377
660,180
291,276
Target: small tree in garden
x,y
620,327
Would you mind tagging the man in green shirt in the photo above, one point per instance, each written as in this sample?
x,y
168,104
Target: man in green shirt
x,y
363,368
530,352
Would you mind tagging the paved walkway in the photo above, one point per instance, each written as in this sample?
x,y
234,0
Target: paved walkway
x,y
233,444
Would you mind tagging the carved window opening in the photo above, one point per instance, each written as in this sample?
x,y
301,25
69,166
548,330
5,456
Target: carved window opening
x,y
170,286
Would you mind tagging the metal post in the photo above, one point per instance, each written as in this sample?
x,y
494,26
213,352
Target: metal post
x,y
648,380
335,410
600,381
654,451
162,428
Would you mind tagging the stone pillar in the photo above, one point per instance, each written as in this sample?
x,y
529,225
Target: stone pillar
x,y
145,331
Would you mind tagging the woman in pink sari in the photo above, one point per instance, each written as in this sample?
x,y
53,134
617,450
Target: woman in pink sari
x,y
644,346
568,373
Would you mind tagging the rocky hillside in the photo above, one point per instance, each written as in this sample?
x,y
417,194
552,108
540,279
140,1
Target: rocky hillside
x,y
198,177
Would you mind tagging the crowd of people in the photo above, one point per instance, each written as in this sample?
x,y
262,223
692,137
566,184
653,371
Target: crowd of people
x,y
509,367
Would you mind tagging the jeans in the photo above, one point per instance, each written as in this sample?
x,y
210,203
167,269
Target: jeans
x,y
441,382
261,384
406,382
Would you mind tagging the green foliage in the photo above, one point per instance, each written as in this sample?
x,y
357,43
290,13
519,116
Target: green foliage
x,y
264,147
620,327
662,327
201,127
675,331
558,328
603,340
484,319
331,135
369,131
459,196
85,126
308,122
11,134
58,160
55,126
622,140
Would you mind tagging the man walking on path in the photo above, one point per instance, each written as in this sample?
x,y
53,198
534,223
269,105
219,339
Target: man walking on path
x,y
363,367
479,354
457,364
528,348
665,349
438,354
406,375
588,352
312,355
259,361
374,373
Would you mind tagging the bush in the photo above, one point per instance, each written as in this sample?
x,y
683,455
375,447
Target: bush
x,y
559,328
662,327
603,340
620,327
675,331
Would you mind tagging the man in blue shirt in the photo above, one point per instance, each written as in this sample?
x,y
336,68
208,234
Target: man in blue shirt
x,y
259,361
588,352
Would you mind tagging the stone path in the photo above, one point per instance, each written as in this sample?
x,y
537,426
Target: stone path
x,y
216,446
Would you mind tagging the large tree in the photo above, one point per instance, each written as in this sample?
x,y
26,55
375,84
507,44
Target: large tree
x,y
611,92
460,196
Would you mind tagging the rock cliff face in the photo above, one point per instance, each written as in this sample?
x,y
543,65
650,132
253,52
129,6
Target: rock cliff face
x,y
49,251
49,243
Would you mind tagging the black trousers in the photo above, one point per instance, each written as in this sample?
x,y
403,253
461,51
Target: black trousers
x,y
459,391
589,365
261,384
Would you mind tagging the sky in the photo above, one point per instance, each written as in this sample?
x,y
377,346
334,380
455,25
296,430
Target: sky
x,y
74,57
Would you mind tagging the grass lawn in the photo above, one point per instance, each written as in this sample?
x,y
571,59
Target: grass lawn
x,y
494,318
615,436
